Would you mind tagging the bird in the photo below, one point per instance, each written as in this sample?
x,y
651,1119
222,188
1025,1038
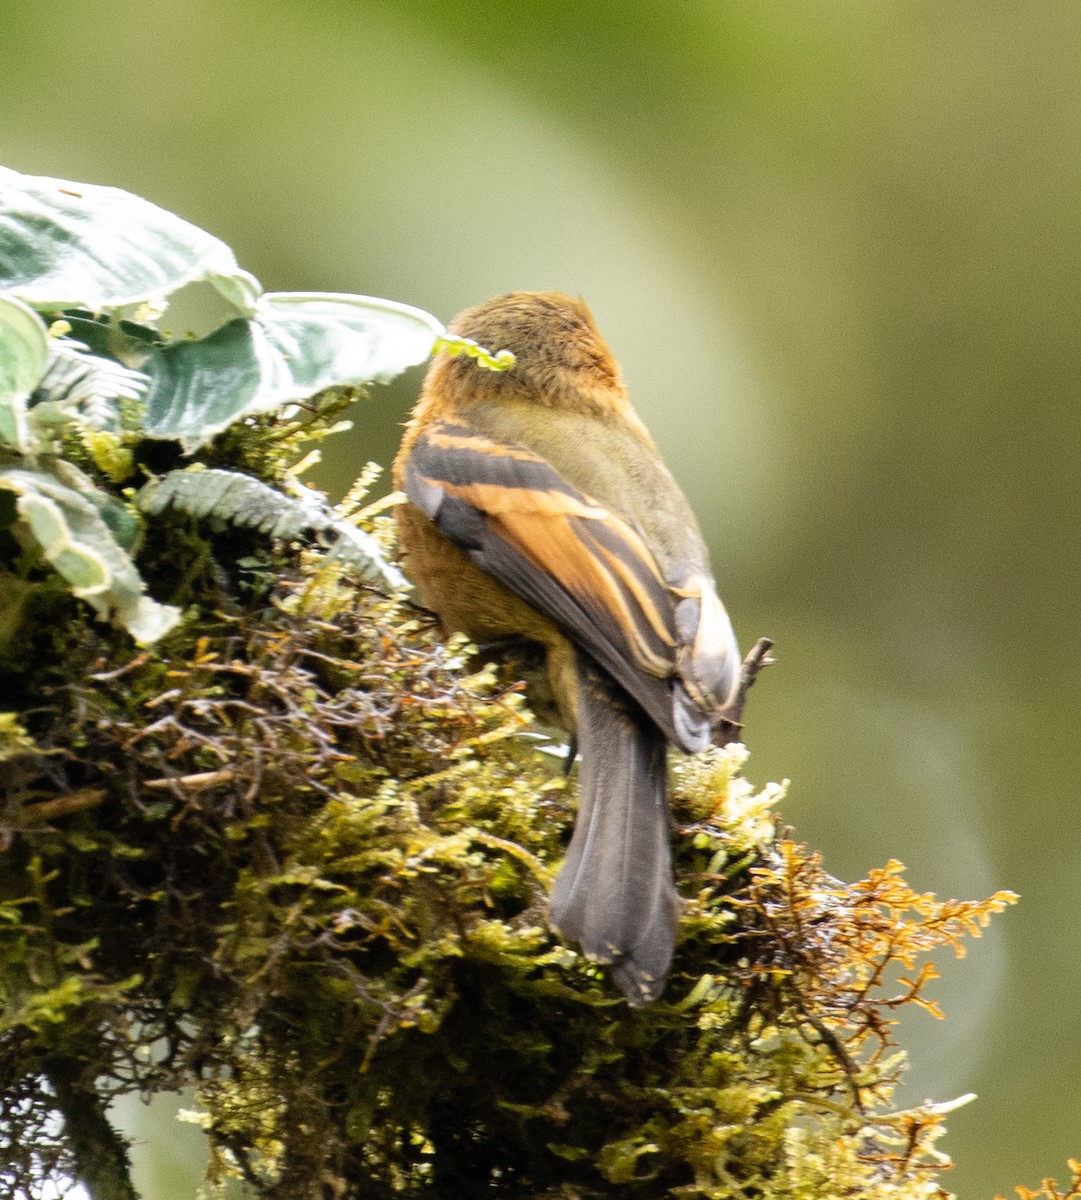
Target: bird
x,y
537,506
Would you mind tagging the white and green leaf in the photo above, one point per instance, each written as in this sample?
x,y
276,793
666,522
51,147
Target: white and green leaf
x,y
67,245
74,538
89,388
296,344
24,354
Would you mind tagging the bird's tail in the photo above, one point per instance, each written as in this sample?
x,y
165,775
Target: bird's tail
x,y
615,894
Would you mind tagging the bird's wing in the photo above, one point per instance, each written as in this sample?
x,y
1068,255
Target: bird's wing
x,y
567,556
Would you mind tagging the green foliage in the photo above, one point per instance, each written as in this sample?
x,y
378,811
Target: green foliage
x,y
238,498
75,258
101,248
21,367
64,513
292,345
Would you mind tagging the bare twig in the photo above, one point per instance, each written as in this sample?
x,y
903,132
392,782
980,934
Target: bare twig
x,y
62,806
730,727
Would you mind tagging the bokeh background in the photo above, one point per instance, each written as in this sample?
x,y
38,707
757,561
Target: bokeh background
x,y
835,246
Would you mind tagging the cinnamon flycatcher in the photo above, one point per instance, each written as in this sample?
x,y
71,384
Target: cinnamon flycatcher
x,y
539,508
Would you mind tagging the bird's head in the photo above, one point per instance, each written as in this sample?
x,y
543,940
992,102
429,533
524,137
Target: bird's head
x,y
561,360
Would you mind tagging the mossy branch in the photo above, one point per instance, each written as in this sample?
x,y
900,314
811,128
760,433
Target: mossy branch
x,y
324,843
100,1154
296,856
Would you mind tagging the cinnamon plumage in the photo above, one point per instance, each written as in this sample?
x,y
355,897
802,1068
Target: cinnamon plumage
x,y
539,508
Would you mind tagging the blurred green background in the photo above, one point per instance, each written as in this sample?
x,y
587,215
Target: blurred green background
x,y
835,246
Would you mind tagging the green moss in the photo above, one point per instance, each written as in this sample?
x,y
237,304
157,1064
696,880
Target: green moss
x,y
299,858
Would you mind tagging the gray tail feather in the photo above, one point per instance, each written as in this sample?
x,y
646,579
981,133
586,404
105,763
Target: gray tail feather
x,y
615,894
